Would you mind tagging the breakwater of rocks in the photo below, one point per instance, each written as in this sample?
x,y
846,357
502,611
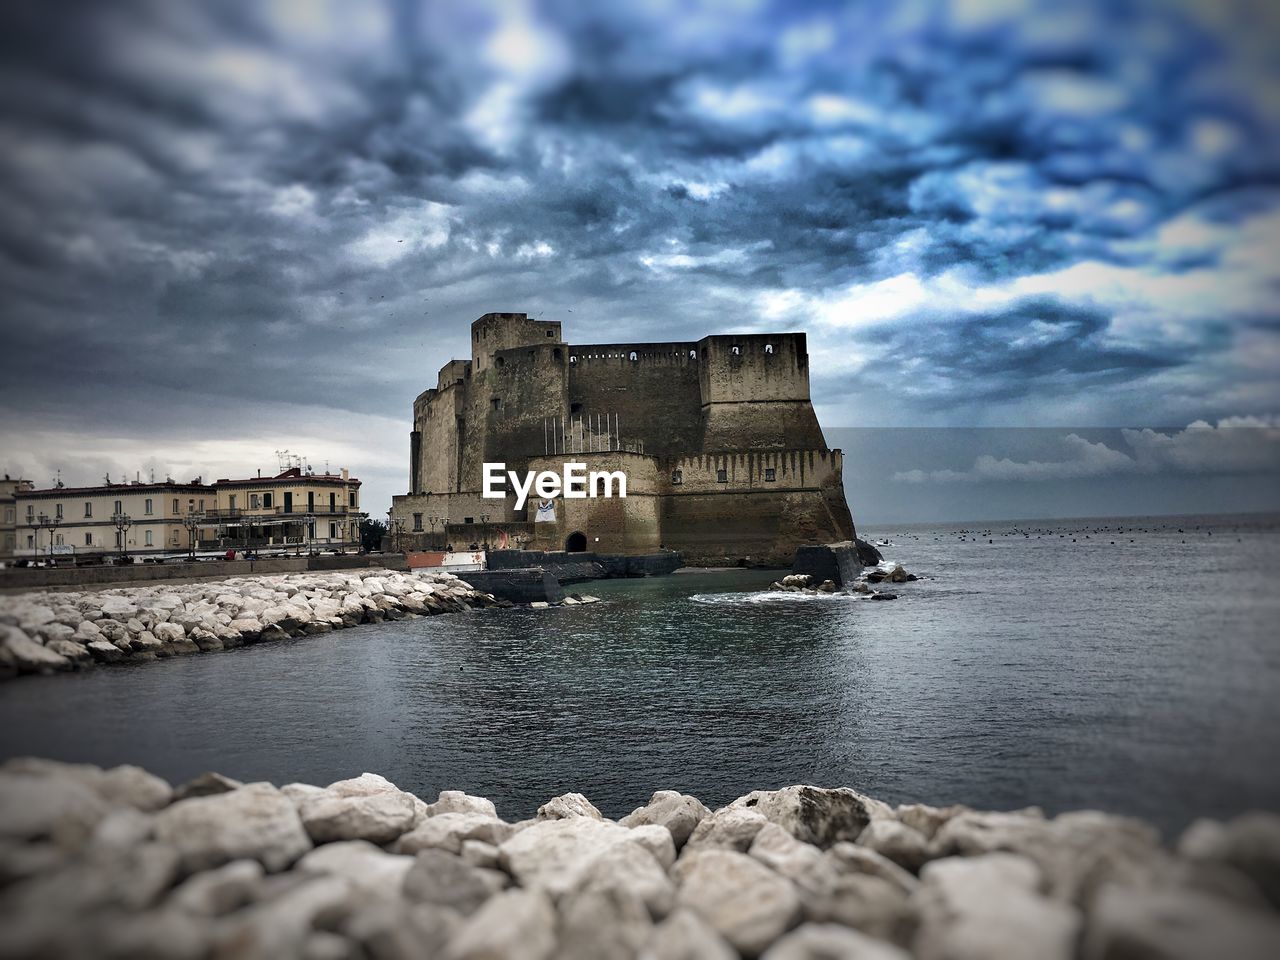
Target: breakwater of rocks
x,y
42,632
117,863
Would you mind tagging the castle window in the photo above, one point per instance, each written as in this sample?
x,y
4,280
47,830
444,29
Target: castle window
x,y
496,403
768,348
770,474
573,359
468,519
735,350
417,522
498,361
550,332
557,354
677,477
693,354
722,475
575,408
634,356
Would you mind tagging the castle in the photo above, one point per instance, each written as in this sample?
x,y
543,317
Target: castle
x,y
724,457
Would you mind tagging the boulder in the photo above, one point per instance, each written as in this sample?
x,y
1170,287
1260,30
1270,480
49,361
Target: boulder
x,y
117,607
568,805
59,809
904,845
602,924
988,907
455,801
729,828
1176,924
749,904
630,867
684,935
378,818
104,651
368,868
447,880
814,814
1250,843
678,812
850,858
216,892
448,831
206,785
513,925
553,854
73,651
29,656
830,941
256,821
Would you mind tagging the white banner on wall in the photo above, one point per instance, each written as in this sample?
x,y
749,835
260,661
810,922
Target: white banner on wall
x,y
546,512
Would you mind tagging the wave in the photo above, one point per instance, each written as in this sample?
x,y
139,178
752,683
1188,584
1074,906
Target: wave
x,y
776,596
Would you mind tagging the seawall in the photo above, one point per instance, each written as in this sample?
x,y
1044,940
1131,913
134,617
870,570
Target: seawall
x,y
118,863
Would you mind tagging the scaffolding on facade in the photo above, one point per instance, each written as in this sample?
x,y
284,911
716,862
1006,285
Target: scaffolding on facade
x,y
586,433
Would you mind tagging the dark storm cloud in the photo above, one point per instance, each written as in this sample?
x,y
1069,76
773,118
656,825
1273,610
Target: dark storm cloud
x,y
305,203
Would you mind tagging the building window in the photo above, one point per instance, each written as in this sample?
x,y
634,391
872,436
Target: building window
x,y
693,354
573,358
31,542
231,502
770,474
60,543
352,498
119,507
175,505
58,511
148,507
768,348
255,502
8,515
496,403
736,350
88,539
498,361
417,522
88,508
468,519
333,531
677,477
722,475
633,356
266,501
148,538
202,504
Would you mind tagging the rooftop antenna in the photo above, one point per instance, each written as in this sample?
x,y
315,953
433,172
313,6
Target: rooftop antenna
x,y
57,481
106,478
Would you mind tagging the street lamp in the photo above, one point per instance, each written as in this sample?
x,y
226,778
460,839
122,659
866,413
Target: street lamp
x,y
484,530
122,523
310,521
51,524
433,521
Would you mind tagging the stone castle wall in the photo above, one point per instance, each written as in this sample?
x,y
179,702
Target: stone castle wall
x,y
674,414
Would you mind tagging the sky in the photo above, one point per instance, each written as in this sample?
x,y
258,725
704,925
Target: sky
x,y
232,229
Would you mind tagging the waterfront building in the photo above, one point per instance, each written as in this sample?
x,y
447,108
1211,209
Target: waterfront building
x,y
297,507
9,515
724,457
294,509
139,519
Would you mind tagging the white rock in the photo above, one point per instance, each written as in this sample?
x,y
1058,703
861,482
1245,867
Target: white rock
x,y
448,831
455,801
686,936
256,821
27,655
602,924
368,868
816,815
905,846
749,904
379,818
678,812
553,854
513,925
630,867
729,828
58,808
829,941
988,908
447,880
221,890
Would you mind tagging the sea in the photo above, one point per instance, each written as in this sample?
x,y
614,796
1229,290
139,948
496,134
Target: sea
x,y
1126,664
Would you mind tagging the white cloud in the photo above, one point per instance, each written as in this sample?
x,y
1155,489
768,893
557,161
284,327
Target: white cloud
x,y
1235,445
424,227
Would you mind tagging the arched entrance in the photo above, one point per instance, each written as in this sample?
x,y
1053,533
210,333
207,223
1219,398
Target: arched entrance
x,y
577,542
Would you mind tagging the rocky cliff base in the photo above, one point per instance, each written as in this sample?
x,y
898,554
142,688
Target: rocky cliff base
x,y
116,863
46,632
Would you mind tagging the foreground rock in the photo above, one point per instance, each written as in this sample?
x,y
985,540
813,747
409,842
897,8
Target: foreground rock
x,y
52,632
116,863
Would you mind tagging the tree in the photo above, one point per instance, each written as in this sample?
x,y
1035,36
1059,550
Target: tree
x,y
371,533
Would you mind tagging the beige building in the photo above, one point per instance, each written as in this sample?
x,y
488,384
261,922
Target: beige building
x,y
9,515
292,510
138,519
321,510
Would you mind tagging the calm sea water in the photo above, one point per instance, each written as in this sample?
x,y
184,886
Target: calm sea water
x,y
1040,663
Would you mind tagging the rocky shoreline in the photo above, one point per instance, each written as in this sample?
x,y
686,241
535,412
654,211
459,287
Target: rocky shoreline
x,y
44,632
117,863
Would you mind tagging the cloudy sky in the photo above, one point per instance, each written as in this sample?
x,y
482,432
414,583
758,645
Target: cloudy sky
x,y
232,228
